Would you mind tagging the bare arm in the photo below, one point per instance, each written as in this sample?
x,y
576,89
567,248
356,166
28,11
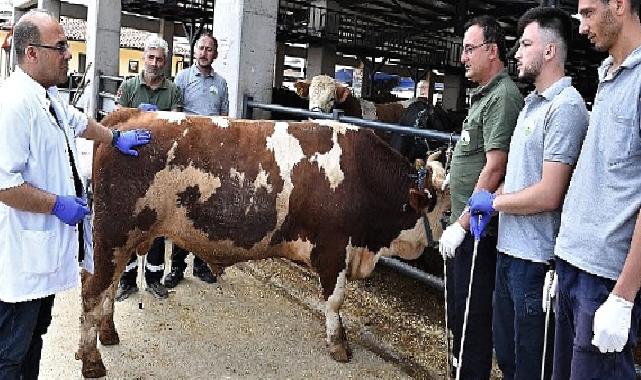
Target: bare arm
x,y
490,178
97,132
28,198
629,282
545,195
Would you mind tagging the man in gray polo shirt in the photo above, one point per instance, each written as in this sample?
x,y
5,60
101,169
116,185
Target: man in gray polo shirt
x,y
599,242
204,92
544,147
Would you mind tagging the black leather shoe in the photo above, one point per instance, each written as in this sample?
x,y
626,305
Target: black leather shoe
x,y
157,290
125,290
204,274
173,278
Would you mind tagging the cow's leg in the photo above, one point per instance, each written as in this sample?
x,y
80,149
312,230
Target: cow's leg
x,y
108,333
97,295
334,291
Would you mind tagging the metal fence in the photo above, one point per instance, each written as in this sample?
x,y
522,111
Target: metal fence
x,y
249,105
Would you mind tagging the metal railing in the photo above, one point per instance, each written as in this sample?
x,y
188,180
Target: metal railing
x,y
249,104
355,34
107,88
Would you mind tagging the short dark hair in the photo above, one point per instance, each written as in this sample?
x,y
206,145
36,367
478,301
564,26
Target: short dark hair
x,y
492,33
209,35
554,19
26,33
634,4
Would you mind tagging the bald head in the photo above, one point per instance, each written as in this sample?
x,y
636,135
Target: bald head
x,y
28,30
41,47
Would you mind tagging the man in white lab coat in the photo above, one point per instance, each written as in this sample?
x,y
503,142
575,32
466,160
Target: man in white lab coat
x,y
44,225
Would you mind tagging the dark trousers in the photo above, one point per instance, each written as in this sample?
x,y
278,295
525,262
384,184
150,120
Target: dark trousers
x,y
519,320
178,256
477,353
22,325
579,295
154,268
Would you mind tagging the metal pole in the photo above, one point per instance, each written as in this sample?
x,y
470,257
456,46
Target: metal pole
x,y
410,271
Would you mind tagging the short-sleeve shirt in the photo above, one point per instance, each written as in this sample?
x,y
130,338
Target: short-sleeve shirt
x,y
604,197
550,128
488,126
134,91
203,94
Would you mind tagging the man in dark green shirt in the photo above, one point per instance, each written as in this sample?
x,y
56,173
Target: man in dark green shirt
x,y
150,87
478,162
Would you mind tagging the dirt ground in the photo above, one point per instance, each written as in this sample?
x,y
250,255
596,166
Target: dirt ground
x,y
241,328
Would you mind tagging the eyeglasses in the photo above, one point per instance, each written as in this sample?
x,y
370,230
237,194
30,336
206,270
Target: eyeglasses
x,y
468,49
61,48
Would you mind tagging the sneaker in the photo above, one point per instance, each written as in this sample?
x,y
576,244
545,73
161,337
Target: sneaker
x,y
125,290
173,278
204,274
157,290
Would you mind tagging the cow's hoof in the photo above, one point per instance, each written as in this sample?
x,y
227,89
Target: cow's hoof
x,y
108,335
340,353
110,338
92,366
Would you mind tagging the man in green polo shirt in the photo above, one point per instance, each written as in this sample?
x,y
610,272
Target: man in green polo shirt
x,y
478,162
149,88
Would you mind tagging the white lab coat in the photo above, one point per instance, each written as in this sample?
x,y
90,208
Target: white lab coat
x,y
38,252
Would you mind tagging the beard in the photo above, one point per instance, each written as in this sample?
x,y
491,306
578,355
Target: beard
x,y
531,71
609,28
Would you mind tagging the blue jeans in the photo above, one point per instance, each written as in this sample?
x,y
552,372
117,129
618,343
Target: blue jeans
x,y
22,325
579,295
477,353
519,321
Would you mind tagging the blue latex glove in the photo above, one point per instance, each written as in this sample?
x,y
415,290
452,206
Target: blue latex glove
x,y
147,107
478,224
124,141
481,202
70,209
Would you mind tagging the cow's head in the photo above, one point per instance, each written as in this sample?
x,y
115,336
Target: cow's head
x,y
323,93
423,195
302,88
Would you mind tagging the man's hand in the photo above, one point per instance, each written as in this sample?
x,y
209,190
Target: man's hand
x,y
549,289
451,238
70,209
124,141
478,224
612,324
482,202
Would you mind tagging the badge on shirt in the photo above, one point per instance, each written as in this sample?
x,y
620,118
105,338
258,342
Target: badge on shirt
x,y
465,137
529,127
213,90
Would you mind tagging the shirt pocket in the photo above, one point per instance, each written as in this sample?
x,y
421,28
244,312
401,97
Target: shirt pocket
x,y
623,141
470,140
40,254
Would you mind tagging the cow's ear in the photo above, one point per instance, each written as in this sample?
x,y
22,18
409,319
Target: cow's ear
x,y
342,92
302,88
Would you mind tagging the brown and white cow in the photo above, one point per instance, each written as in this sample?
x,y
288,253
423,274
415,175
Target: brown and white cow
x,y
331,196
325,93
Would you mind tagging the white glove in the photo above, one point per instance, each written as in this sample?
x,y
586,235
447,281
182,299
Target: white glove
x,y
612,324
451,238
549,289
446,182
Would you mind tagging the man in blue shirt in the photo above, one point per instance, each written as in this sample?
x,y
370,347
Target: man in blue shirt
x,y
599,244
204,92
